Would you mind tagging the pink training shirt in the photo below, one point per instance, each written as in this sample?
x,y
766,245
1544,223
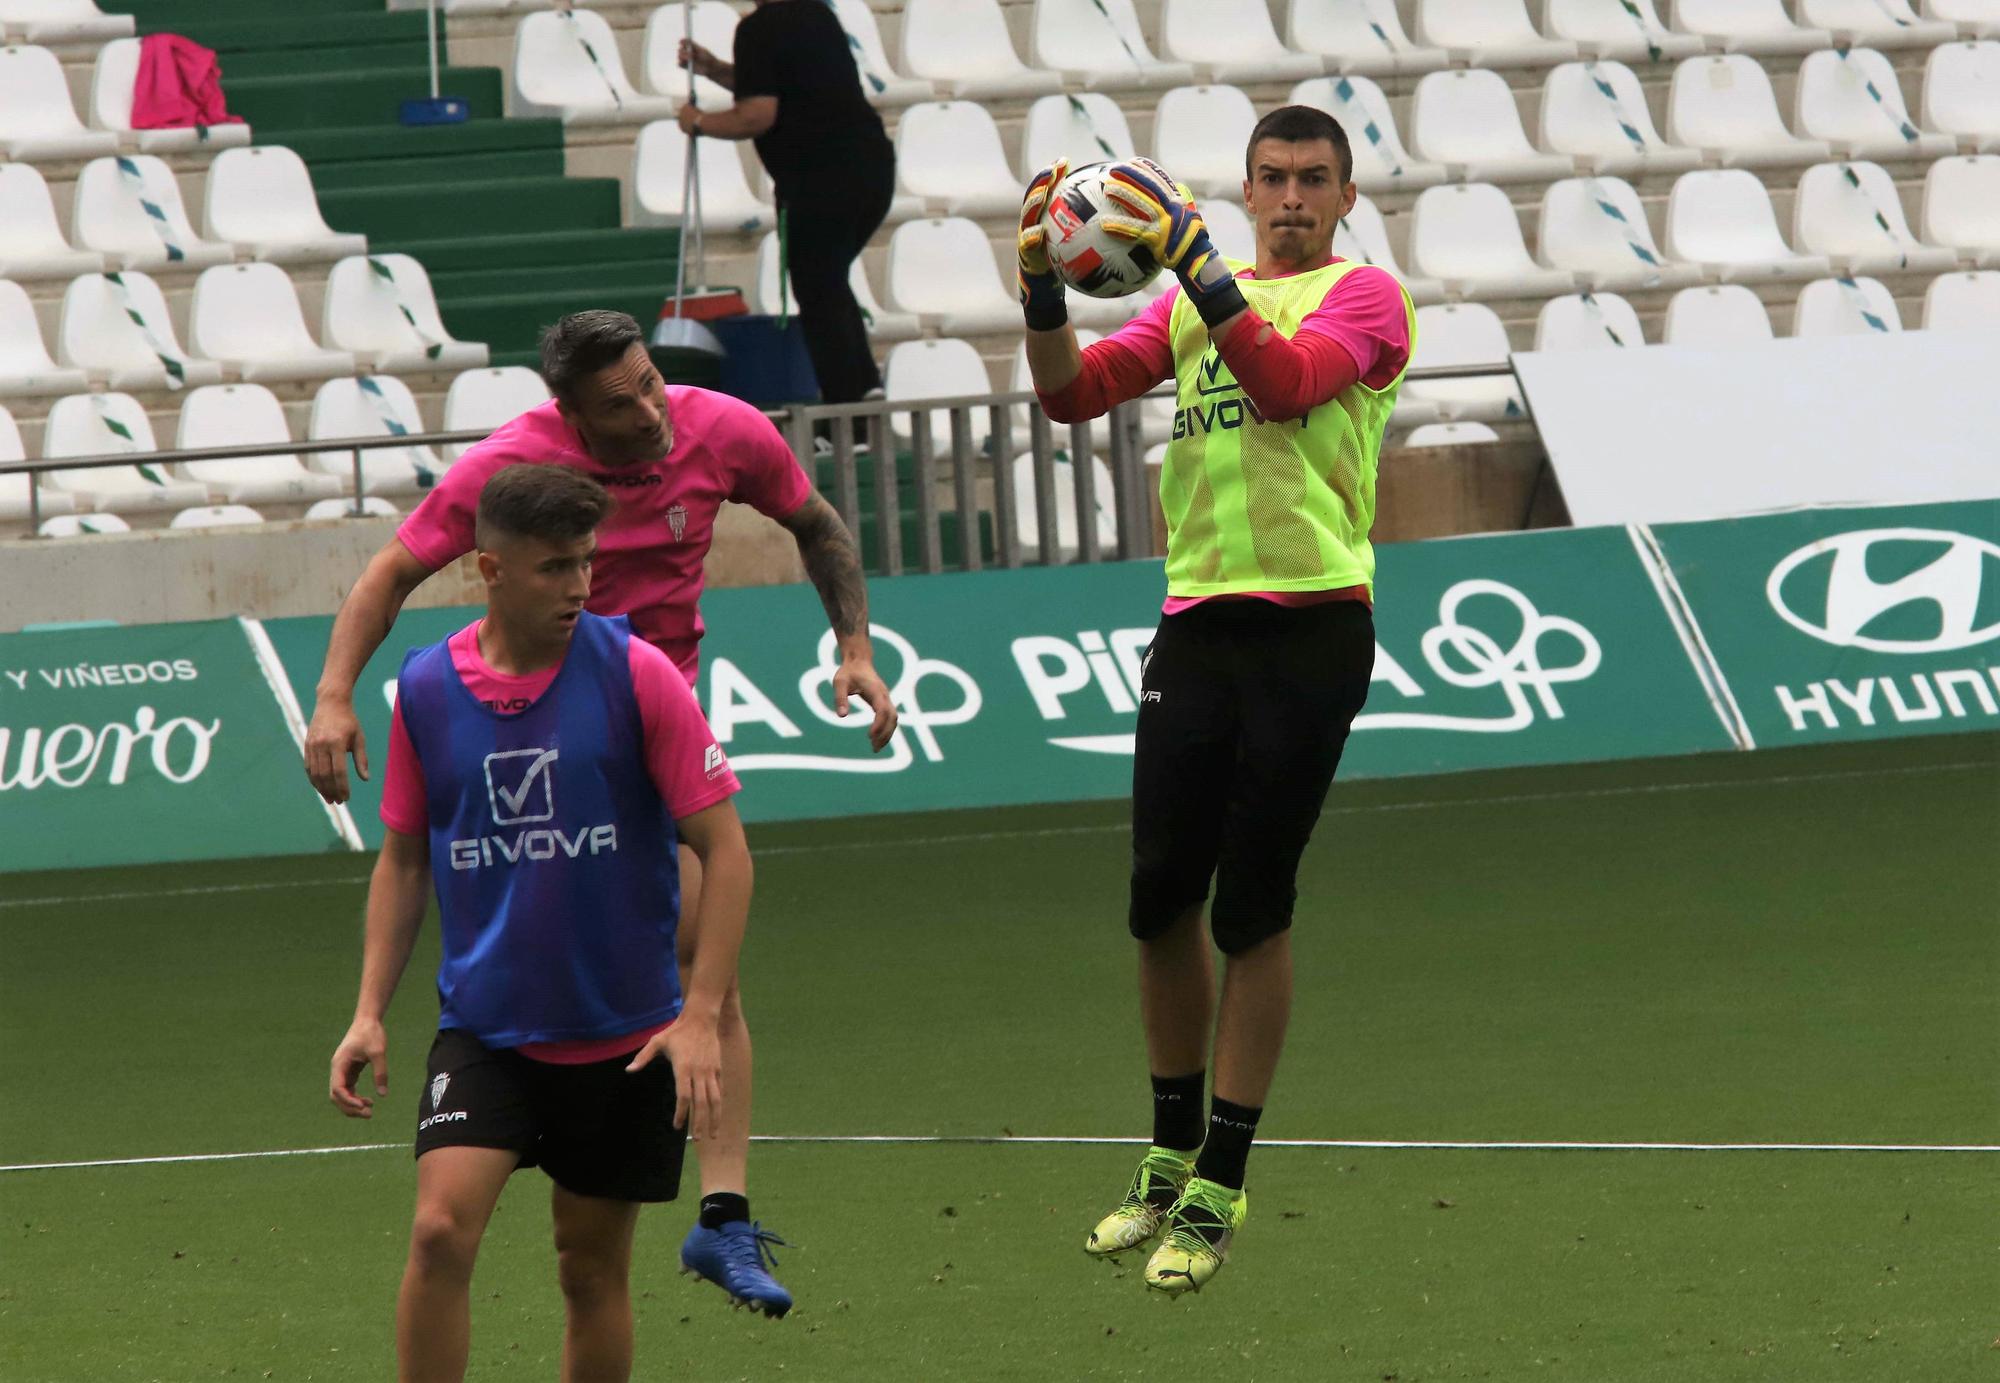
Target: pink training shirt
x,y
678,745
650,550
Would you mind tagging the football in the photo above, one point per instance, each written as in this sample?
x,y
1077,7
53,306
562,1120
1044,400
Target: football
x,y
1083,256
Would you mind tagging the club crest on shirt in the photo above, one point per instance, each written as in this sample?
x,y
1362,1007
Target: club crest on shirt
x,y
677,519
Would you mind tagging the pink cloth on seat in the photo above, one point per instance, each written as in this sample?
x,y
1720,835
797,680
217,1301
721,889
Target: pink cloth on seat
x,y
179,84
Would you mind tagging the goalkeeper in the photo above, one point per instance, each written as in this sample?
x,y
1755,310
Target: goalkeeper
x,y
1285,371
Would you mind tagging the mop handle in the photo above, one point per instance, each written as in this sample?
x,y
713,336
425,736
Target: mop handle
x,y
688,185
431,24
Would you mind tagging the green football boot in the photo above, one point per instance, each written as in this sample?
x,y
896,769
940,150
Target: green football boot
x,y
1155,1187
1199,1227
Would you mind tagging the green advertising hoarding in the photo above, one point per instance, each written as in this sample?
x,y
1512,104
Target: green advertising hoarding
x,y
1832,624
156,742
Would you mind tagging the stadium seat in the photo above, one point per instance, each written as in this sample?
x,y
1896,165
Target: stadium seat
x,y
60,21
111,82
1062,479
1380,160
1851,99
17,491
1587,322
98,333
25,367
1962,207
1363,235
1466,235
31,242
963,48
1465,334
883,325
128,209
943,270
937,369
262,200
380,308
37,120
104,425
1467,120
1595,229
659,178
1845,307
1877,23
481,400
1596,112
235,415
714,29
1099,44
371,406
1724,106
1450,435
247,316
566,65
1231,231
1199,135
1492,33
1231,41
1628,30
1973,18
372,507
1962,94
1084,128
1850,212
948,153
1358,36
1721,219
1963,302
1747,26
1716,315
216,516
882,84
81,525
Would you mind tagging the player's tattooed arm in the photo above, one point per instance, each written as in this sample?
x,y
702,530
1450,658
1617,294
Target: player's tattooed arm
x,y
833,562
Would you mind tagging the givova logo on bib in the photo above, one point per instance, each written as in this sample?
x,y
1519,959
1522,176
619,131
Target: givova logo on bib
x,y
521,785
521,790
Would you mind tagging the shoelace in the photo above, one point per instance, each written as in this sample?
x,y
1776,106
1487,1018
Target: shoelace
x,y
753,1250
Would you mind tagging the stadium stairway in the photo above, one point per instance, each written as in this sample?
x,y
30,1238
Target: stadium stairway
x,y
510,243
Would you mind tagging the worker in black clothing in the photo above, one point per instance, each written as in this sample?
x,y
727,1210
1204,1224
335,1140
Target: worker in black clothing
x,y
799,96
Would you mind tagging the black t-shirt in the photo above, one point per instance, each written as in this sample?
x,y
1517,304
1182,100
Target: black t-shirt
x,y
796,51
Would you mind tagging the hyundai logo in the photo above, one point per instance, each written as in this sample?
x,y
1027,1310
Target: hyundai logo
x,y
1923,596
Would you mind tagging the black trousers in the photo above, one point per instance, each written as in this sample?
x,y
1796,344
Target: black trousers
x,y
829,215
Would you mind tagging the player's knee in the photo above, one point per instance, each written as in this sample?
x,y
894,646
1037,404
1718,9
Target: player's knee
x,y
1163,894
588,1276
442,1244
1240,925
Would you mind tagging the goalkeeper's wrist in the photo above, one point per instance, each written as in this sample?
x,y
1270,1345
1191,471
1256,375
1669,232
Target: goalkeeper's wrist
x,y
1042,302
1211,287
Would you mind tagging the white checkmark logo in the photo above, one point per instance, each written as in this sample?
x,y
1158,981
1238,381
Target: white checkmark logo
x,y
511,805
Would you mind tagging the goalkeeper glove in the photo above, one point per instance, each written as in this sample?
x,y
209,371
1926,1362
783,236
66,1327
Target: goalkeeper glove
x,y
1041,291
1161,214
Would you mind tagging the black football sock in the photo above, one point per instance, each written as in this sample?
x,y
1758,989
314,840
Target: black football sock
x,y
724,1207
1177,1111
1230,1129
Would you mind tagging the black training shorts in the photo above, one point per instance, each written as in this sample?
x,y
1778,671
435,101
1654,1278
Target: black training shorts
x,y
1244,708
594,1129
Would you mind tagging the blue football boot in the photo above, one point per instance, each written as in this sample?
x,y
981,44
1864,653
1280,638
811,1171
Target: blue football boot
x,y
735,1258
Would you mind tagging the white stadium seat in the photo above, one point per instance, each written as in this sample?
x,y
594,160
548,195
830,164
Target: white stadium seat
x,y
1199,135
1962,94
81,525
1100,44
1721,219
483,400
1628,30
372,406
1851,99
963,47
566,65
1725,314
105,425
111,82
1878,23
1845,307
61,21
1492,33
1467,120
882,324
1358,36
1850,212
1596,112
1973,18
1747,26
17,491
1963,302
659,179
936,369
248,317
1595,229
97,334
233,415
37,121
1725,107
25,366
1380,160
1084,128
1464,334
1587,322
943,270
1062,480
662,73
1450,435
216,516
262,200
948,153
380,307
1962,207
128,209
1364,236
1467,236
880,82
372,507
1231,41
1231,231
31,242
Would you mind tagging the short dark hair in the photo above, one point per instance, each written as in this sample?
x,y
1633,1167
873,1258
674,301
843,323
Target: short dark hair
x,y
551,503
1301,125
583,343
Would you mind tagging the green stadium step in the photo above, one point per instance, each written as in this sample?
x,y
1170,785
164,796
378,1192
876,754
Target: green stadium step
x,y
649,246
385,141
231,35
173,15
514,321
605,280
949,528
276,105
293,63
517,204
426,172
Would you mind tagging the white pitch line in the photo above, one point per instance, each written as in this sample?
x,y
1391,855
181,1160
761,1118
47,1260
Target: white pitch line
x,y
1045,1140
194,891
